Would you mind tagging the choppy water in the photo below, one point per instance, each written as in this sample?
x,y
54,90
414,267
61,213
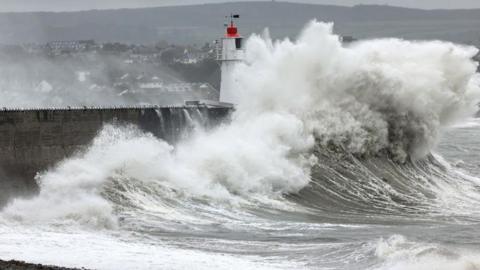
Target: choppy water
x,y
329,162
431,223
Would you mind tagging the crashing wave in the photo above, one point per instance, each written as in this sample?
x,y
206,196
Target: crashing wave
x,y
352,126
375,95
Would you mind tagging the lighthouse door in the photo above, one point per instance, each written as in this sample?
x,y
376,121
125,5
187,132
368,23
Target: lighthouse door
x,y
238,43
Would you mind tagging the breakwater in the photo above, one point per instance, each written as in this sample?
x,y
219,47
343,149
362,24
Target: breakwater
x,y
32,140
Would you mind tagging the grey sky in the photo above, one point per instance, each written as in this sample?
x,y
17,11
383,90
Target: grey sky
x,y
62,5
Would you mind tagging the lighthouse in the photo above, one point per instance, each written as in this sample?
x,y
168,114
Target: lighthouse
x,y
229,53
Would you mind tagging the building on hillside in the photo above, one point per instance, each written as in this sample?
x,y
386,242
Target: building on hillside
x,y
69,46
191,57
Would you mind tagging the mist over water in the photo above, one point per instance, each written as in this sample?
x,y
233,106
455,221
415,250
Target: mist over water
x,y
326,164
95,77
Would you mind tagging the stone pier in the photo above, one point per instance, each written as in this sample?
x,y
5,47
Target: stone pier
x,y
32,140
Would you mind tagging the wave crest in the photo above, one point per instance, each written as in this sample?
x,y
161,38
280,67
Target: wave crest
x,y
388,94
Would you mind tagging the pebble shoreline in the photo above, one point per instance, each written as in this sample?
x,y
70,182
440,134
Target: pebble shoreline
x,y
18,265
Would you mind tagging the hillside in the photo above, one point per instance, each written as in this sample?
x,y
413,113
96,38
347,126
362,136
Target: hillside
x,y
203,23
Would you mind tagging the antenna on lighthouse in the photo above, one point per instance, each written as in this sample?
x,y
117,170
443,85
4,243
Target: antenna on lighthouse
x,y
229,53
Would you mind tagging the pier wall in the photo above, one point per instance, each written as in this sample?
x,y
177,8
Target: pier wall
x,y
35,139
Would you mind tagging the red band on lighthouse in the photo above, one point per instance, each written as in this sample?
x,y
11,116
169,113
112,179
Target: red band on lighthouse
x,y
232,31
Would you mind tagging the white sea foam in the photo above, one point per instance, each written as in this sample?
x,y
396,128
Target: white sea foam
x,y
397,253
105,252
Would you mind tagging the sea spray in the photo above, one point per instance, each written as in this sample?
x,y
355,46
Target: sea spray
x,y
239,160
372,98
374,95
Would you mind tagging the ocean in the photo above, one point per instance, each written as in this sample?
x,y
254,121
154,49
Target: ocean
x,y
357,157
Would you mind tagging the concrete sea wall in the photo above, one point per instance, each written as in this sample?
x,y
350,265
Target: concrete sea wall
x,y
33,140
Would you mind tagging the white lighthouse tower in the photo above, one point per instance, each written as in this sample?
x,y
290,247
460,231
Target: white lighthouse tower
x,y
229,52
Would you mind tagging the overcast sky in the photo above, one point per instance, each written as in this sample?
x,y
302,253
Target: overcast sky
x,y
63,5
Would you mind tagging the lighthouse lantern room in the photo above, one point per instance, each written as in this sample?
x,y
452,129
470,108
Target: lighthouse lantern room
x,y
229,53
